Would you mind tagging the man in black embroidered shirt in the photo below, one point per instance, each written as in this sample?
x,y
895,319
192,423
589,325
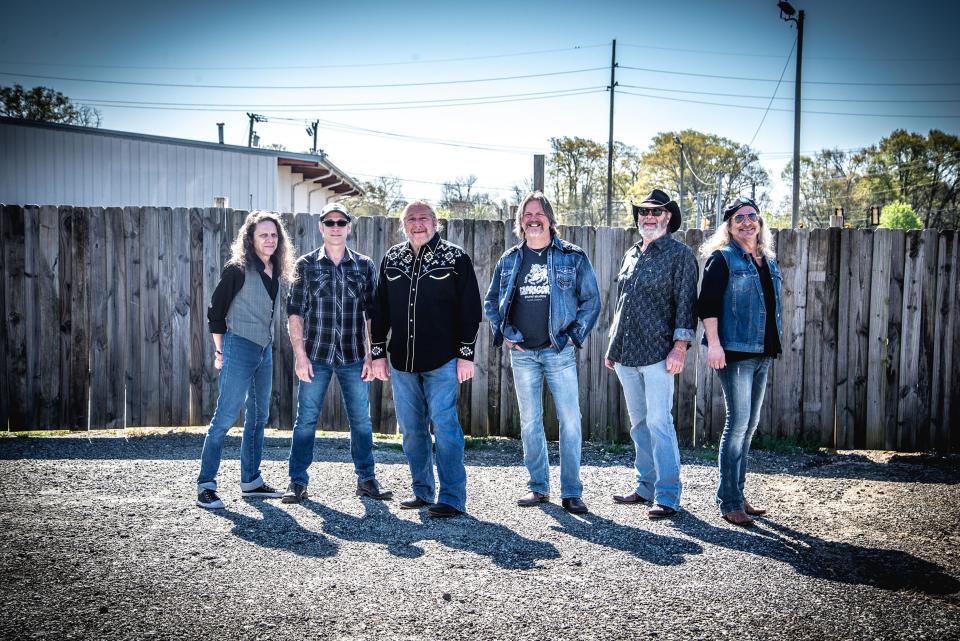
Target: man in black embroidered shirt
x,y
653,325
326,305
428,299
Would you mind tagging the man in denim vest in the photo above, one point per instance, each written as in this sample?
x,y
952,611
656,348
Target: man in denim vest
x,y
653,325
330,307
542,302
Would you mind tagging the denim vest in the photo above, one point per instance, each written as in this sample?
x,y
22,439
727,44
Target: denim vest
x,y
574,295
742,322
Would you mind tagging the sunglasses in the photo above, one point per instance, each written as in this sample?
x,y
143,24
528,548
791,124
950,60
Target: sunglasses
x,y
754,216
647,211
336,223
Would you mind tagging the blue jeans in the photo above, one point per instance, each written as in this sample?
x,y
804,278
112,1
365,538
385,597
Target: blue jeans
x,y
648,391
246,380
743,386
432,396
310,404
560,369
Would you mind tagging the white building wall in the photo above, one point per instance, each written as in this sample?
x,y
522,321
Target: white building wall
x,y
61,167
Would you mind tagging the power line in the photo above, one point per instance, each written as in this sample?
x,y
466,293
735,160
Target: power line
x,y
763,97
428,182
299,67
827,113
714,52
774,95
806,82
369,86
421,102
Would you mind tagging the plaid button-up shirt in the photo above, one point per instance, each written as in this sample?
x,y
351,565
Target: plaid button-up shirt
x,y
333,300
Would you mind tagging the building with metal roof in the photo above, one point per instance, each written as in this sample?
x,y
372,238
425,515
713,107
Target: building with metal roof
x,y
45,163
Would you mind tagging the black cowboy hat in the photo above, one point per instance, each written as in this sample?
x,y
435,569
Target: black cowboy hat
x,y
658,198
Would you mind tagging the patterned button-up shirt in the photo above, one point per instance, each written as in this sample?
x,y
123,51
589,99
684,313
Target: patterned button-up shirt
x,y
332,300
656,302
429,301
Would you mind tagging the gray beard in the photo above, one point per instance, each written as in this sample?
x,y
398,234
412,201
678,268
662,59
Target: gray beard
x,y
650,236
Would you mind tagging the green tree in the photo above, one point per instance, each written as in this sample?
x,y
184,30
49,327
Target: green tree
x,y
899,215
923,171
43,103
706,156
829,179
577,169
382,196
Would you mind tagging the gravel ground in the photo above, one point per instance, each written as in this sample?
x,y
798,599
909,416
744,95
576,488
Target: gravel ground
x,y
103,541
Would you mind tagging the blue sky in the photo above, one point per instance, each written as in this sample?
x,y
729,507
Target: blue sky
x,y
855,53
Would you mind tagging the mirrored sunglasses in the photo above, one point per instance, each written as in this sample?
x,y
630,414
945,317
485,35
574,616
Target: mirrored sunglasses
x,y
754,216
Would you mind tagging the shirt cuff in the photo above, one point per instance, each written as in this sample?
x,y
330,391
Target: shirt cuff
x,y
378,350
681,334
217,327
467,351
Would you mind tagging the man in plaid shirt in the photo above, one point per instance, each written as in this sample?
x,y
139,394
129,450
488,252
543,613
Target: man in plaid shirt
x,y
329,309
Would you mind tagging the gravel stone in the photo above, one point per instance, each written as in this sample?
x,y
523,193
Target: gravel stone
x,y
103,541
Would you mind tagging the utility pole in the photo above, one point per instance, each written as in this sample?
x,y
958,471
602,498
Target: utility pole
x,y
719,199
538,160
677,140
312,131
699,211
613,84
786,13
253,118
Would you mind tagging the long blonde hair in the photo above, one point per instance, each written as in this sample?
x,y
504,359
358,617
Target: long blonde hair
x,y
721,238
243,254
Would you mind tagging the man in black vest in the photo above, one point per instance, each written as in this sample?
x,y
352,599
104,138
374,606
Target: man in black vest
x,y
329,310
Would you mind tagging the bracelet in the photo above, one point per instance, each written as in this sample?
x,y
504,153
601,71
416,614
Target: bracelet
x,y
218,352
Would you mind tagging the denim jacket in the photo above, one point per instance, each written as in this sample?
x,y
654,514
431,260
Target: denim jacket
x,y
743,321
574,295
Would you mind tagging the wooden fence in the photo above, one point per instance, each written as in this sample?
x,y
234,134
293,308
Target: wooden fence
x,y
105,327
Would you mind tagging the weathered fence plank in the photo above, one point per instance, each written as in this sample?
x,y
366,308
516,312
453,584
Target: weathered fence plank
x,y
870,328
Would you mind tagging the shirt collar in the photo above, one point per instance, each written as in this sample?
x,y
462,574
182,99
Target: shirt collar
x,y
430,244
347,255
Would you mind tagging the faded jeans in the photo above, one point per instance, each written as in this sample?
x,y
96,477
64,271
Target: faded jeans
x,y
246,380
648,391
530,367
309,405
431,397
744,384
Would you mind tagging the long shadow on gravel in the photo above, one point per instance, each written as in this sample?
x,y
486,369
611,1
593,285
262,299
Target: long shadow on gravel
x,y
645,545
812,556
278,530
378,525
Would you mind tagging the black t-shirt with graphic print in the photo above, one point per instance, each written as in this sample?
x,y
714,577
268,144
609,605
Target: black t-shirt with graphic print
x,y
530,310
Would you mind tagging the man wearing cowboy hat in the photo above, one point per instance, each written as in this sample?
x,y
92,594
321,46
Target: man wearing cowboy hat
x,y
653,324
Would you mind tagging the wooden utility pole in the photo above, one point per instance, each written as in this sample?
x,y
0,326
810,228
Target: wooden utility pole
x,y
613,84
538,172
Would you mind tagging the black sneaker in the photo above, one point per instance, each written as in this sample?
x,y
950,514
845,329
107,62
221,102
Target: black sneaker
x,y
209,500
295,493
263,492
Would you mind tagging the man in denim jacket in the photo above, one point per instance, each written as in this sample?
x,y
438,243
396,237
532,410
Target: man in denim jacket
x,y
542,302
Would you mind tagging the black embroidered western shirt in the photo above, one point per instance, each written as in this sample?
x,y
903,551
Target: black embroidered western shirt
x,y
656,302
429,302
332,300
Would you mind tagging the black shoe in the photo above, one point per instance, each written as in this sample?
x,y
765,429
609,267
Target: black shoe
x,y
295,493
263,492
209,500
660,512
443,511
371,488
574,505
533,498
414,504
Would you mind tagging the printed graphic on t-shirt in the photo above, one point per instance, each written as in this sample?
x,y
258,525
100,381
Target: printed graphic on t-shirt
x,y
536,286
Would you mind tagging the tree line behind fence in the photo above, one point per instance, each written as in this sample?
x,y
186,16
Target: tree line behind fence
x,y
105,327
